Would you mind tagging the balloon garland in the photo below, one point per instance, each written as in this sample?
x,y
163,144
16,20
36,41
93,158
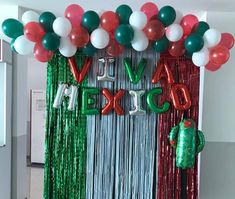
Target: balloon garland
x,y
163,28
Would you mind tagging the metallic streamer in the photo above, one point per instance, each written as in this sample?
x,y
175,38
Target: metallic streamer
x,y
65,144
121,152
169,177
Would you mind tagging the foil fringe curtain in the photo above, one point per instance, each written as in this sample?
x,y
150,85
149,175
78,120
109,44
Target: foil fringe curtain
x,y
121,149
104,157
65,145
169,177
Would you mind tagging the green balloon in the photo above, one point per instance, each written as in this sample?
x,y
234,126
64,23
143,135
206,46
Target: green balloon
x,y
124,34
89,50
46,19
188,55
12,28
88,101
12,46
194,43
167,15
128,46
161,45
90,20
201,28
124,12
150,101
51,41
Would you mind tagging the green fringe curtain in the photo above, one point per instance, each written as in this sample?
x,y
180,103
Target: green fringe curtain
x,y
65,145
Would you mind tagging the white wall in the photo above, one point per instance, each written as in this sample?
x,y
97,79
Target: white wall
x,y
7,11
219,93
36,79
217,159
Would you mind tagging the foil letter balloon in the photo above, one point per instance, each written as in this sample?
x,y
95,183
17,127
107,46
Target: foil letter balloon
x,y
66,91
138,110
106,61
188,142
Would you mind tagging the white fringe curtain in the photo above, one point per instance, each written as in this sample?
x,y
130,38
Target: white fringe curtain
x,y
121,150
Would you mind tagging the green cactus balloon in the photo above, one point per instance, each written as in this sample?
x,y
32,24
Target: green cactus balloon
x,y
188,142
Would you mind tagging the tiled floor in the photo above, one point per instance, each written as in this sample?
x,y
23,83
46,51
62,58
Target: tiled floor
x,y
36,176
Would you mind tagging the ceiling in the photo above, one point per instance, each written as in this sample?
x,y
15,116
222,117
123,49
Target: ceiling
x,y
58,6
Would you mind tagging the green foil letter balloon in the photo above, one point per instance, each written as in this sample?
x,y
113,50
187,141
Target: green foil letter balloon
x,y
188,142
150,100
88,101
135,76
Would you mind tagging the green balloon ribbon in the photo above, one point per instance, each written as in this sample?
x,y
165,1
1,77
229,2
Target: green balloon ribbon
x,y
90,20
150,101
124,12
46,19
88,101
161,45
134,76
167,15
12,28
65,137
187,141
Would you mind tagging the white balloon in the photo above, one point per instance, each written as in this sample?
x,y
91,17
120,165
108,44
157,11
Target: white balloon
x,y
30,16
211,37
99,38
67,49
138,20
23,46
201,58
140,42
62,26
174,32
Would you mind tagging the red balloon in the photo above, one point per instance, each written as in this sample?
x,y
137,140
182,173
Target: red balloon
x,y
109,21
212,67
177,49
154,30
79,36
188,22
149,9
41,54
33,31
74,14
114,48
219,55
227,40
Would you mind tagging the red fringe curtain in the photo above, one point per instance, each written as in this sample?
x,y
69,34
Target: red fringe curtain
x,y
170,183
